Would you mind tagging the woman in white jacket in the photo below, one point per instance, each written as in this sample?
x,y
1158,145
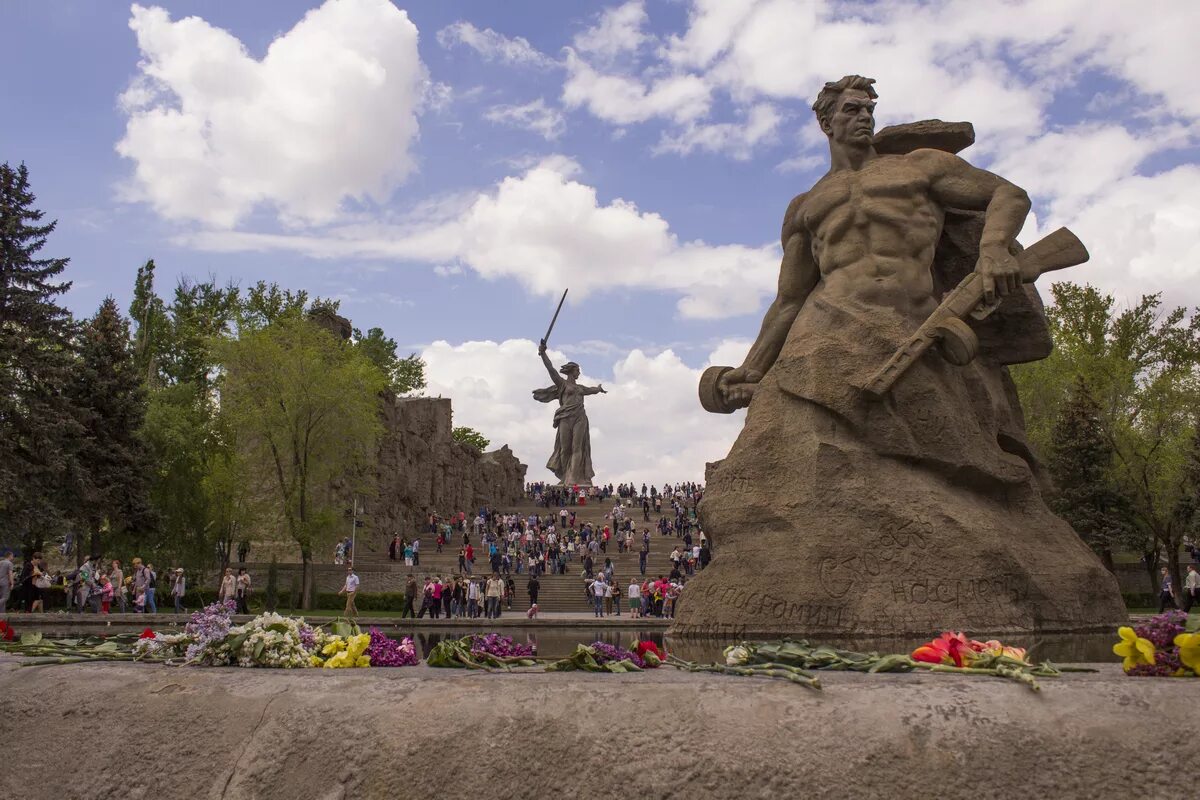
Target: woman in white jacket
x,y
228,586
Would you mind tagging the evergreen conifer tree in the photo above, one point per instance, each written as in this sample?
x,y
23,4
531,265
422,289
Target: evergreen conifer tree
x,y
109,398
1081,465
39,432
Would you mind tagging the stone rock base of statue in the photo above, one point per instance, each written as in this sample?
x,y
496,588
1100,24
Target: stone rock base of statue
x,y
819,533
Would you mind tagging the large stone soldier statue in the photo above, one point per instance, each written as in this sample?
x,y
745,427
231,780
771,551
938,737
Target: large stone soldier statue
x,y
882,482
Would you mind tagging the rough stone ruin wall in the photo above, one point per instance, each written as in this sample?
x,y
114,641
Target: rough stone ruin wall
x,y
422,470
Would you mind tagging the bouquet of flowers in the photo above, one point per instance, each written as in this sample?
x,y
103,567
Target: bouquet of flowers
x,y
599,657
951,652
385,652
1161,647
209,639
270,640
955,649
343,652
493,644
201,641
464,653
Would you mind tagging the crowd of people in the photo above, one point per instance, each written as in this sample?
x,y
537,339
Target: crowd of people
x,y
654,597
92,586
496,549
553,496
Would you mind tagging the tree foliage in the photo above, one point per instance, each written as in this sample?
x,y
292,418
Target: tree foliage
x,y
1141,365
404,375
39,429
106,390
1081,459
470,436
305,409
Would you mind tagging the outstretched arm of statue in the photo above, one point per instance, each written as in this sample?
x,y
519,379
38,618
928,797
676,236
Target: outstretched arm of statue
x,y
593,389
798,275
957,184
554,376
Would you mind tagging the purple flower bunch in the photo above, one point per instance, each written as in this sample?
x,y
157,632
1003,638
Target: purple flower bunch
x,y
606,652
493,644
210,624
1161,629
387,652
308,637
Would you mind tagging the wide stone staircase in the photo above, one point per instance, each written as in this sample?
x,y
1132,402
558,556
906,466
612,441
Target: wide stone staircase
x,y
557,592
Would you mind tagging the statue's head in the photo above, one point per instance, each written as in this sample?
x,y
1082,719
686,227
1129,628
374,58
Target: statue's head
x,y
845,110
570,369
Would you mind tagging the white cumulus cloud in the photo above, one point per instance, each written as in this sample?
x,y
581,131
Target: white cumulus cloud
x,y
546,230
736,139
535,116
618,30
493,46
648,427
624,99
328,113
1143,233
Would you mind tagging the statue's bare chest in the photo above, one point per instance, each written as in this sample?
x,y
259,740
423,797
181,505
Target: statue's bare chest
x,y
879,187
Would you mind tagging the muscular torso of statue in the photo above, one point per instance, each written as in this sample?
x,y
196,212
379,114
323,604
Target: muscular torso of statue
x,y
873,232
867,232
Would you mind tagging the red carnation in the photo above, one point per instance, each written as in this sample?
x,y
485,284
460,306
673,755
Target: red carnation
x,y
644,648
147,634
6,631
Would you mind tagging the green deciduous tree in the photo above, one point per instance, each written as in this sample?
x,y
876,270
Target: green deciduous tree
x,y
264,303
39,430
470,436
404,375
305,409
178,433
1141,365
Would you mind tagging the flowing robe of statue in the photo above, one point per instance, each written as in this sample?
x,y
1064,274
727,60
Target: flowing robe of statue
x,y
837,512
571,461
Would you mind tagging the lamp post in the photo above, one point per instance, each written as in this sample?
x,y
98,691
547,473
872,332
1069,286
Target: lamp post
x,y
354,532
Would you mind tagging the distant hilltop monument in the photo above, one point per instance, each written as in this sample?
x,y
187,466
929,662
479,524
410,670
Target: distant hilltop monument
x,y
571,461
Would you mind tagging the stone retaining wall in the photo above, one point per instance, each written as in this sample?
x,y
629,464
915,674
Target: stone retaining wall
x,y
382,733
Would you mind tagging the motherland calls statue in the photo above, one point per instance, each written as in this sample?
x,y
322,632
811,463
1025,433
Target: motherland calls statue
x,y
571,461
882,482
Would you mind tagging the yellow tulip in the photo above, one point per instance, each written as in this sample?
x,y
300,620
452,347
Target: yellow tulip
x,y
1133,648
1189,650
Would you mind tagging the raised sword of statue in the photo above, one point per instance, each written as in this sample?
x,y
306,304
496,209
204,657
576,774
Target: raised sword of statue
x,y
946,327
546,338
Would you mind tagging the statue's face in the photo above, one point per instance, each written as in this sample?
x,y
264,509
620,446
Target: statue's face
x,y
853,120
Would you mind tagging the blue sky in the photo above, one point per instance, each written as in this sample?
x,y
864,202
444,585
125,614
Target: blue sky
x,y
444,168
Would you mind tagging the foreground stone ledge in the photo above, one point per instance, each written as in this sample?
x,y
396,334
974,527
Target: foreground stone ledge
x,y
152,731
